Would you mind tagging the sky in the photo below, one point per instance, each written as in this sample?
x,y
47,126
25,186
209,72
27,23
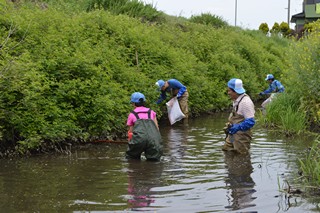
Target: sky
x,y
250,13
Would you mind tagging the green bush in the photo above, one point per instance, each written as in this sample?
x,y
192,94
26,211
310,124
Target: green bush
x,y
132,8
209,19
67,75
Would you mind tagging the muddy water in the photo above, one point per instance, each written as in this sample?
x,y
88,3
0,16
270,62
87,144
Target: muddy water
x,y
193,176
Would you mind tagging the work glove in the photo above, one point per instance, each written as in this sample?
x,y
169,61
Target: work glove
x,y
130,134
234,129
243,126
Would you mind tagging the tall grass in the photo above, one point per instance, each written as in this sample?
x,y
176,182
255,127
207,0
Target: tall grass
x,y
310,166
209,19
304,72
284,112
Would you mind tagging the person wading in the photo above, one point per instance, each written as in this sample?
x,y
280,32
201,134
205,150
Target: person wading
x,y
241,119
143,133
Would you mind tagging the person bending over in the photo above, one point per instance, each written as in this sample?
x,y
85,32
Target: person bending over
x,y
174,88
274,88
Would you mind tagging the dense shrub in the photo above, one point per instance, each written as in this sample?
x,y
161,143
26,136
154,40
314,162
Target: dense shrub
x,y
67,75
209,19
132,8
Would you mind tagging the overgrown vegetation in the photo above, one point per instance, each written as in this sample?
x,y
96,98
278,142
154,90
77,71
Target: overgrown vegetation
x,y
310,167
302,81
307,69
299,108
209,19
133,8
285,113
305,78
302,86
67,72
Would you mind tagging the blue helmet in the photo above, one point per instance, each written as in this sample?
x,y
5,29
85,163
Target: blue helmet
x,y
137,97
236,85
160,84
269,76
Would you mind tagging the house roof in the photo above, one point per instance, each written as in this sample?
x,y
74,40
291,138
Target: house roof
x,y
297,16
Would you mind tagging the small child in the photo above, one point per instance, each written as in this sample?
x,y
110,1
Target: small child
x,y
143,134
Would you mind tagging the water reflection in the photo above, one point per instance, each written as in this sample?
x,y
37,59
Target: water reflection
x,y
176,142
193,176
142,177
239,181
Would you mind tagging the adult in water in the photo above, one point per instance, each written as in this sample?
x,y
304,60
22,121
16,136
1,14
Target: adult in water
x,y
275,87
176,89
241,119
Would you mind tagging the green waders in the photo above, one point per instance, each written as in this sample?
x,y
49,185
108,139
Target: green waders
x,y
239,142
146,138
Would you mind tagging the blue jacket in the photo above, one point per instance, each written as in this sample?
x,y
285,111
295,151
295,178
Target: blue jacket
x,y
173,85
275,86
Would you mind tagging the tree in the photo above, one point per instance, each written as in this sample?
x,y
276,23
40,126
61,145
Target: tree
x,y
285,29
275,30
264,28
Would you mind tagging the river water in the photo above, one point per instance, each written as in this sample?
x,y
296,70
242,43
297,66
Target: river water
x,y
194,175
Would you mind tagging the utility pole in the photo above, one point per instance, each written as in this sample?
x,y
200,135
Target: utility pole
x,y
235,13
289,12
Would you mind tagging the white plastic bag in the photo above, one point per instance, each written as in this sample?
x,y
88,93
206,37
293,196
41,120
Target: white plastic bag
x,y
174,112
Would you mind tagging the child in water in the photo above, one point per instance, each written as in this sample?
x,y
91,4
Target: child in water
x,y
143,133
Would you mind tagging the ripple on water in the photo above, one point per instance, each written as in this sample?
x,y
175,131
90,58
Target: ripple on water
x,y
194,175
